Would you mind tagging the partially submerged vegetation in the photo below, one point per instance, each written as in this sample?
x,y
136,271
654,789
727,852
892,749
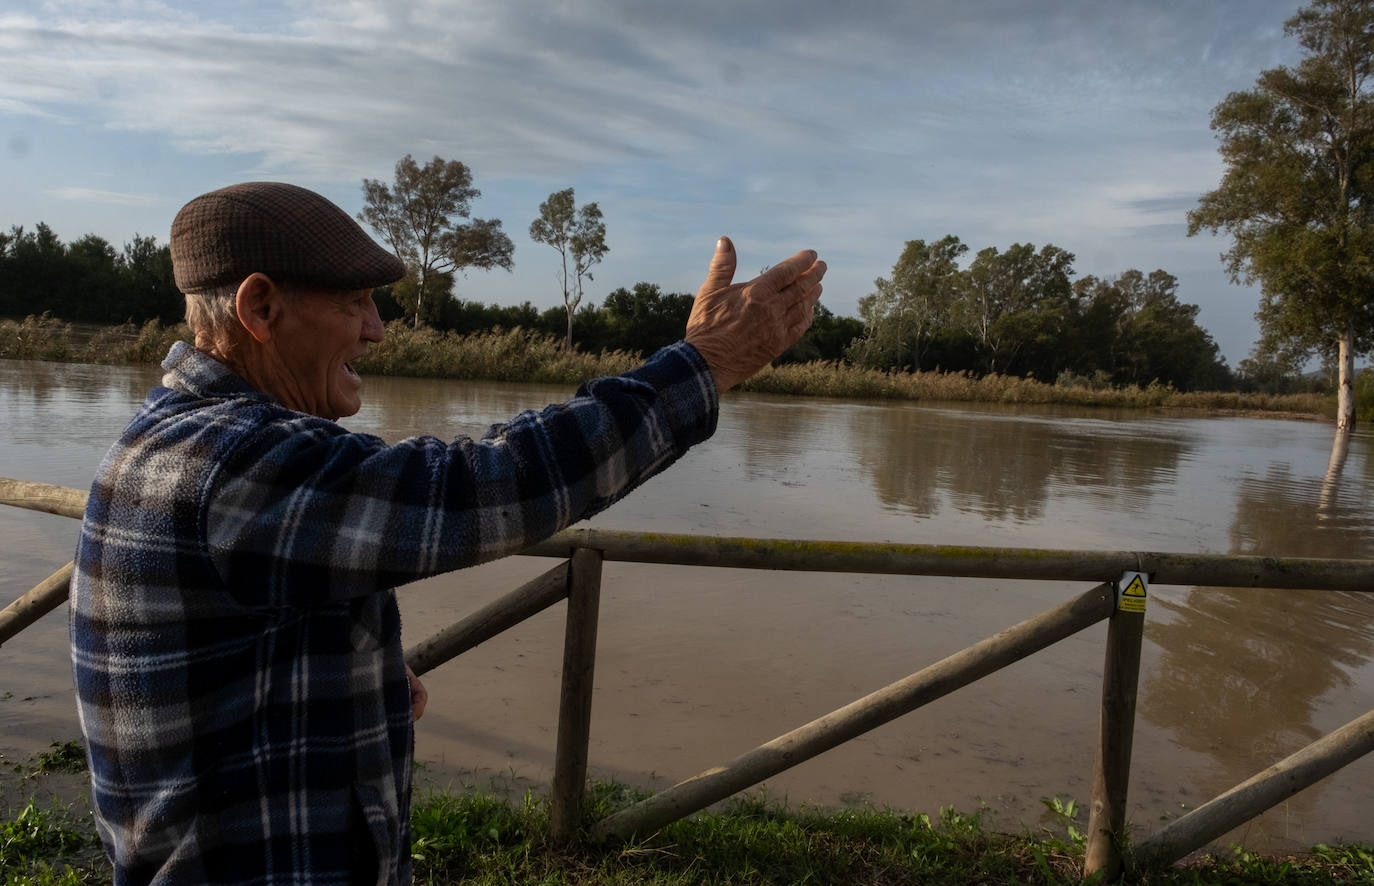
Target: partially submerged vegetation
x,y
520,355
842,380
485,837
47,338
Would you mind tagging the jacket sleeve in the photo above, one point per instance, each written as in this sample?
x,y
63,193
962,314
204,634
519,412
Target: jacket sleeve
x,y
304,511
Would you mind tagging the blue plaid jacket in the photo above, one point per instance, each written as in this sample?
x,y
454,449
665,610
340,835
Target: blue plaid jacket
x,y
235,642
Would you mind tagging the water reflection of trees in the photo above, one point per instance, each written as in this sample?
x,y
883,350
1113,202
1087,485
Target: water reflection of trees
x,y
1287,515
39,384
1003,466
777,433
398,407
1243,673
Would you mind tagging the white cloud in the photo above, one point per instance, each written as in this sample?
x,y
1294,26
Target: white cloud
x,y
114,198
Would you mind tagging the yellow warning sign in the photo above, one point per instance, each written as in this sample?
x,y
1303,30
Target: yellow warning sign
x,y
1134,591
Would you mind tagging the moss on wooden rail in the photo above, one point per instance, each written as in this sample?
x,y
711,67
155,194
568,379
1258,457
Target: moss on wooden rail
x,y
887,558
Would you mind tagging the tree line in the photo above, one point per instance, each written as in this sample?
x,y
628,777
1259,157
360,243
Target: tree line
x,y
87,280
1015,312
90,281
1021,312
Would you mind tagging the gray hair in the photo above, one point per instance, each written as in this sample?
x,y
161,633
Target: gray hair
x,y
211,312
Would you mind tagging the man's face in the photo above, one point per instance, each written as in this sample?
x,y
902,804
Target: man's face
x,y
321,333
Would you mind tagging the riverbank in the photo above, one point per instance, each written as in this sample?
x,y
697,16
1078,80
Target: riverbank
x,y
490,835
523,356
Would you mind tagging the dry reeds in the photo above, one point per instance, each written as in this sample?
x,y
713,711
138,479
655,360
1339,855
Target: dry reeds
x,y
834,379
500,355
46,338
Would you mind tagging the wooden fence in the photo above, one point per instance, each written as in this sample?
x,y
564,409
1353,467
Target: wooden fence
x,y
1116,597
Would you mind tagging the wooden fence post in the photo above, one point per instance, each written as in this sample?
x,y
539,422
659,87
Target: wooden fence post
x,y
1116,729
575,704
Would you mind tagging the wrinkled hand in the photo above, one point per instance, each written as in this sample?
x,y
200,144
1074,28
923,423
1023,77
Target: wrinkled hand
x,y
740,328
419,695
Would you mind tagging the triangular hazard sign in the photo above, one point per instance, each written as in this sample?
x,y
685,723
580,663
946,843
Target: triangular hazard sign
x,y
1135,589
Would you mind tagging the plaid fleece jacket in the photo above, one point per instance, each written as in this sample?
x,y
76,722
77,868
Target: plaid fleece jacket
x,y
235,642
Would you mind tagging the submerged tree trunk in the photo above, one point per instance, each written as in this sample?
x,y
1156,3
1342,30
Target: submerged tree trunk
x,y
1345,382
1331,483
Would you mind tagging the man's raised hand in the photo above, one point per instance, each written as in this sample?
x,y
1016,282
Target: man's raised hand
x,y
741,327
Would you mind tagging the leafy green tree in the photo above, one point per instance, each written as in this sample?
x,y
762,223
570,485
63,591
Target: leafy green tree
x,y
1021,312
150,287
828,338
1160,339
418,216
1297,196
1133,329
645,318
1018,305
472,316
905,311
579,237
86,280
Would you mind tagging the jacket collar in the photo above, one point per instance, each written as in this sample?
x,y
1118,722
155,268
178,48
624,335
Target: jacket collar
x,y
194,372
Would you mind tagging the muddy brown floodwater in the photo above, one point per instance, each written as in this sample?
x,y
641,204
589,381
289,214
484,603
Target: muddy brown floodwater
x,y
695,666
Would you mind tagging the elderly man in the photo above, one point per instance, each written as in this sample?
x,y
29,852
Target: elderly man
x,y
235,638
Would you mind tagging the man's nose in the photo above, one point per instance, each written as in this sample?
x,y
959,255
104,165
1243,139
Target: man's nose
x,y
373,330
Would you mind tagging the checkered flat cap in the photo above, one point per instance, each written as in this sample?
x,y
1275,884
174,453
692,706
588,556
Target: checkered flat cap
x,y
288,233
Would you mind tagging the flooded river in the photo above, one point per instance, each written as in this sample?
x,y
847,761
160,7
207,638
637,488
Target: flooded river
x,y
696,666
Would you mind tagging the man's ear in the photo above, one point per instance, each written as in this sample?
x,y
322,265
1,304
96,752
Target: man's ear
x,y
258,304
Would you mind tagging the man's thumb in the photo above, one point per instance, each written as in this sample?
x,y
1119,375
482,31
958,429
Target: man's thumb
x,y
722,266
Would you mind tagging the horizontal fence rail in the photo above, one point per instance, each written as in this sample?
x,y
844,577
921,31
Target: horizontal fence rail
x,y
577,578
953,561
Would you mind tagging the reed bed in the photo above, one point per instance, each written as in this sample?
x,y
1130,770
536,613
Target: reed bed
x,y
842,380
518,355
522,355
47,338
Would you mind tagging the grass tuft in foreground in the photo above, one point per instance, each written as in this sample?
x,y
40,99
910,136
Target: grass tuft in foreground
x,y
50,847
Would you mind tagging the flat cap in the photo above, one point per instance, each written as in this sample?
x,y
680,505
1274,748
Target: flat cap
x,y
291,234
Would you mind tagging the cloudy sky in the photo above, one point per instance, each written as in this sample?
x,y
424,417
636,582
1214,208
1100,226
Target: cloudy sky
x,y
847,127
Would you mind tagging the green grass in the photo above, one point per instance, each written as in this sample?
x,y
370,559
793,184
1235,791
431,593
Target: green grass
x,y
523,356
472,837
62,756
49,847
481,837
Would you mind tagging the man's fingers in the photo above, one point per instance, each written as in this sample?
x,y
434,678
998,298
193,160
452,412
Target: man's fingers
x,y
722,269
786,272
811,277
